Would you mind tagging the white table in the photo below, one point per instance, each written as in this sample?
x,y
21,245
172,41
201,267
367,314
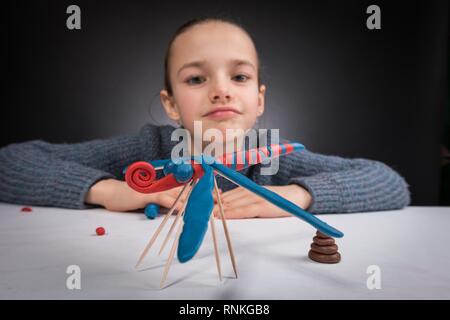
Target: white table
x,y
409,246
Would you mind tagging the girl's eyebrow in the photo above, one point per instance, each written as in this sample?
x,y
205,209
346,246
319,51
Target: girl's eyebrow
x,y
197,64
239,62
201,63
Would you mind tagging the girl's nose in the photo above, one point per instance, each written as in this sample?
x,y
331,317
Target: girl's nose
x,y
221,98
220,92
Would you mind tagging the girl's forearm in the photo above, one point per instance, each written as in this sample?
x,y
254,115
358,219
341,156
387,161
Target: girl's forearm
x,y
98,192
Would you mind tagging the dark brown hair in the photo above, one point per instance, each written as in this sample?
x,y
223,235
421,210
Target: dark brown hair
x,y
189,24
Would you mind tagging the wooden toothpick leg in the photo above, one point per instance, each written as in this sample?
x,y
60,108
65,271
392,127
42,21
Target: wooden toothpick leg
x,y
225,228
155,235
216,249
172,253
180,213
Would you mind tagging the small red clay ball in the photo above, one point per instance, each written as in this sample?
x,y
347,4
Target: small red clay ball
x,y
100,231
26,209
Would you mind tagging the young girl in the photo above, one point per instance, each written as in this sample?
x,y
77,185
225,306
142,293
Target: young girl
x,y
211,75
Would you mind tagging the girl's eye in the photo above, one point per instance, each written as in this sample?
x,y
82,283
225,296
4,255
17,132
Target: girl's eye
x,y
242,77
194,80
199,79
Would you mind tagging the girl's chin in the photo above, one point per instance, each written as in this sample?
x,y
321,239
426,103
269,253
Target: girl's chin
x,y
223,125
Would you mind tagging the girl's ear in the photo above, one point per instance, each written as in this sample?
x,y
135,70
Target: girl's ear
x,y
169,105
261,96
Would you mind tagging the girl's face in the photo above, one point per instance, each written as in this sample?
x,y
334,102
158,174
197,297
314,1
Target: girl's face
x,y
214,77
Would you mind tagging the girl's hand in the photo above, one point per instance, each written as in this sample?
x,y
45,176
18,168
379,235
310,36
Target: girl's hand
x,y
116,195
240,203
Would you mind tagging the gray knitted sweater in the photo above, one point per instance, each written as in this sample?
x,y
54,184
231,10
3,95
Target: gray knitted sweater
x,y
45,174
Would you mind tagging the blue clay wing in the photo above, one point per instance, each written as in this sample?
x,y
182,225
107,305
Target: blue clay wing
x,y
196,216
277,200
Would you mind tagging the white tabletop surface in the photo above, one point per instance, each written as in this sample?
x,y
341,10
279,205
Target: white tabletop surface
x,y
409,246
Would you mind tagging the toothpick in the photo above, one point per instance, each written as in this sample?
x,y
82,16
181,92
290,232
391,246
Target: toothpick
x,y
172,253
225,228
180,213
216,249
155,235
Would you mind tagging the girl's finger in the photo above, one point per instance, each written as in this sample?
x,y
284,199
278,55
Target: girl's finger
x,y
243,201
244,212
272,211
238,199
168,197
175,191
216,212
257,209
233,195
215,195
167,201
232,192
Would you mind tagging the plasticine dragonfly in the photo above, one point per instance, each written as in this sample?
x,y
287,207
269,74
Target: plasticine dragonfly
x,y
199,173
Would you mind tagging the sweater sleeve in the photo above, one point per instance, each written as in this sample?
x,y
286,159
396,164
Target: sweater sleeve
x,y
60,175
341,185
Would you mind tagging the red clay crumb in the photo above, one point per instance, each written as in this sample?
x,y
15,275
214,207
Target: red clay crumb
x,y
100,231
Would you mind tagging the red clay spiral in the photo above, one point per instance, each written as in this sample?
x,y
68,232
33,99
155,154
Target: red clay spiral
x,y
140,176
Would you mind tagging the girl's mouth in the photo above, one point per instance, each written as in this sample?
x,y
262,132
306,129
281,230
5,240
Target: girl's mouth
x,y
222,113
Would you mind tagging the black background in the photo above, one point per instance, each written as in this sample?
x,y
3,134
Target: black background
x,y
332,84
